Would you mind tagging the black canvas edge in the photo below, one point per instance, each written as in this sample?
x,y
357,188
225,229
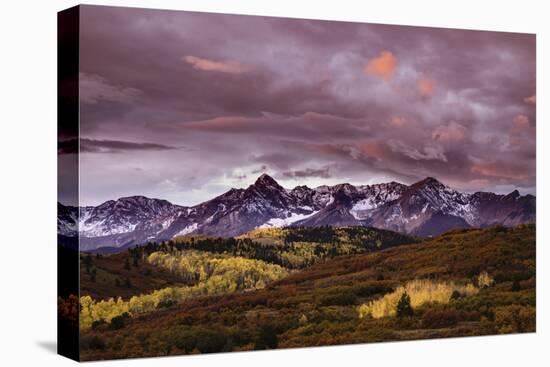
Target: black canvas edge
x,y
68,47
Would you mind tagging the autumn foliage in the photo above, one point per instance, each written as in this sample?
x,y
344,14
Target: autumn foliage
x,y
419,292
215,274
458,284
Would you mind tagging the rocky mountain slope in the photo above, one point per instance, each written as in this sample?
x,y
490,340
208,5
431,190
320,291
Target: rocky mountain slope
x,y
425,208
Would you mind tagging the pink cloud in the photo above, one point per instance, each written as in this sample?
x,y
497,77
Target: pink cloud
x,y
375,149
501,170
449,133
425,87
521,121
230,67
383,66
477,184
531,99
398,121
521,133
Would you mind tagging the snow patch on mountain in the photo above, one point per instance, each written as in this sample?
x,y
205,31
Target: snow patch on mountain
x,y
283,222
191,228
359,209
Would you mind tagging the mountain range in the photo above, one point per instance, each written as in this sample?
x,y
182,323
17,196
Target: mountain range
x,y
424,208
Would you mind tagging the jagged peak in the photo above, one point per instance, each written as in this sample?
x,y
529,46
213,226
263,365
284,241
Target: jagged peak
x,y
301,188
345,188
266,179
428,181
344,184
395,183
140,199
391,185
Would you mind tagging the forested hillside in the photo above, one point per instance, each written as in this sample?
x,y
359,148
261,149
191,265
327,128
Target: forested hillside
x,y
129,273
464,282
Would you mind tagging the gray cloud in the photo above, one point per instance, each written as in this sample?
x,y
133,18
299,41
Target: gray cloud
x,y
72,146
262,169
94,88
308,172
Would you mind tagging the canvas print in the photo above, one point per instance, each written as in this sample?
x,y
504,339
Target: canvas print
x,y
235,183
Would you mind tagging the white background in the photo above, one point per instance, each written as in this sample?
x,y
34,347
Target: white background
x,y
28,182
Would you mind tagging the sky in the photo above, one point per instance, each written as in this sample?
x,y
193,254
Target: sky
x,y
183,106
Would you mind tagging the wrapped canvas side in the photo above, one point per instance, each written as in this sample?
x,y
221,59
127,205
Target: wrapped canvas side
x,y
68,200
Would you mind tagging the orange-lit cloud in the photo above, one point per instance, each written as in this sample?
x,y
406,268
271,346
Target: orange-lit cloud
x,y
448,133
467,183
521,121
383,66
500,170
521,132
398,121
531,99
425,87
230,67
377,150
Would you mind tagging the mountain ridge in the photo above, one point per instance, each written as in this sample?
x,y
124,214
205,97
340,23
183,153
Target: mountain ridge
x,y
427,207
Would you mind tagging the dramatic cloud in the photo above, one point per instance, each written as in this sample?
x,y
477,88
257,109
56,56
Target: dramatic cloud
x,y
308,102
382,66
426,87
231,67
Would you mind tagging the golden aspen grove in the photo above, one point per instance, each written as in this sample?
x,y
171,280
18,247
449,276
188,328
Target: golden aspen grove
x,y
214,274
